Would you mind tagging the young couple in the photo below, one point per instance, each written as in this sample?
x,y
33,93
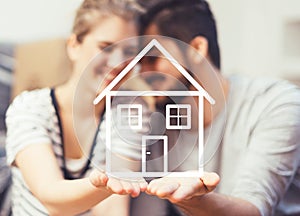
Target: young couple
x,y
258,155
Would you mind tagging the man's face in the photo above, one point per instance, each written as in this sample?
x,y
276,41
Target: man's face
x,y
158,71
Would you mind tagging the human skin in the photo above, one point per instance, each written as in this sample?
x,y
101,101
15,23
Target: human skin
x,y
44,179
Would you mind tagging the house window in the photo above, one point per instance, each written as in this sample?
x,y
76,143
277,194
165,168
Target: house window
x,y
178,116
130,116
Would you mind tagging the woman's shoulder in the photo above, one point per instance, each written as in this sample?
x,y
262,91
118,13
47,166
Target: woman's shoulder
x,y
28,120
31,101
33,95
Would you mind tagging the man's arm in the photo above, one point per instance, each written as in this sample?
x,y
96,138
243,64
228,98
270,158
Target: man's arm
x,y
195,197
217,204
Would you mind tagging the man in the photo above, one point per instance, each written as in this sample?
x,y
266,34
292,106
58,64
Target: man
x,y
258,154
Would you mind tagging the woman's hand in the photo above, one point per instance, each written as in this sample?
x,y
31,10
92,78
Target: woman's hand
x,y
181,189
118,186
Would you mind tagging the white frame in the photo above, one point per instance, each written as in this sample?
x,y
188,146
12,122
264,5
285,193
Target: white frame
x,y
178,107
108,93
122,174
129,107
144,145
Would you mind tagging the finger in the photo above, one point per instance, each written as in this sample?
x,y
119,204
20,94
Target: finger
x,y
162,187
210,181
115,186
166,189
98,178
143,185
153,186
194,187
127,186
136,189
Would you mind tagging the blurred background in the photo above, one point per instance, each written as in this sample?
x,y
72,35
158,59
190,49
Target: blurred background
x,y
257,38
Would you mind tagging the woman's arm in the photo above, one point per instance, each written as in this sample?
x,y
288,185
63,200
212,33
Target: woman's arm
x,y
40,170
114,200
121,201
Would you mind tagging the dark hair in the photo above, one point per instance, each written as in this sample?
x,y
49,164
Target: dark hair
x,y
184,20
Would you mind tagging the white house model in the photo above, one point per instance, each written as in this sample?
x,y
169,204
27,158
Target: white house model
x,y
133,116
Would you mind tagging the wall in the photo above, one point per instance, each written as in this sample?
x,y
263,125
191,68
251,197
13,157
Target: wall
x,y
23,21
257,37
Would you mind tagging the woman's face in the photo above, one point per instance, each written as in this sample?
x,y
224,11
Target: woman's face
x,y
91,57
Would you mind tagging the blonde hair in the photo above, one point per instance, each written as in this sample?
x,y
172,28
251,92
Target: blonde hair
x,y
91,11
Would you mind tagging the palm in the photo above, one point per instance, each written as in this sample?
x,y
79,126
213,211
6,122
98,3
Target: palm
x,y
179,189
119,186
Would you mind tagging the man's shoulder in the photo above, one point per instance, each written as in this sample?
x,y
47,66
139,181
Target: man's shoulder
x,y
253,100
262,89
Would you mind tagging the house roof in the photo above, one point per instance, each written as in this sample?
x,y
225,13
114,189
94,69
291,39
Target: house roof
x,y
150,45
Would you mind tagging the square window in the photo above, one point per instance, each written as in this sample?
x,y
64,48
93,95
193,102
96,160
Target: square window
x,y
129,115
183,111
124,111
134,121
173,111
134,111
174,121
183,121
178,116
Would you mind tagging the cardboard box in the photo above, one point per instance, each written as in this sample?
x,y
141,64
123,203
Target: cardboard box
x,y
40,64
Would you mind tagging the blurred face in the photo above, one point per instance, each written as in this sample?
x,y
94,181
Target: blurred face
x,y
158,71
95,47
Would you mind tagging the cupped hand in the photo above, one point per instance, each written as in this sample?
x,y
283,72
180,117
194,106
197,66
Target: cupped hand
x,y
183,188
119,186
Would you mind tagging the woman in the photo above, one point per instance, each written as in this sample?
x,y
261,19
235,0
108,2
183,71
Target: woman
x,y
50,173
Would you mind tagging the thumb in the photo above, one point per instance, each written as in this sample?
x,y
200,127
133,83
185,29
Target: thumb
x,y
98,178
210,180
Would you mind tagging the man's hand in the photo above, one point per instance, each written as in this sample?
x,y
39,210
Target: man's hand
x,y
181,189
118,186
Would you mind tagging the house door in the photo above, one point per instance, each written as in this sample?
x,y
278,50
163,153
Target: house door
x,y
154,154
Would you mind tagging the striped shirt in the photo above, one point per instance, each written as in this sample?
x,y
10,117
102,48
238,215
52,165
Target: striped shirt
x,y
33,118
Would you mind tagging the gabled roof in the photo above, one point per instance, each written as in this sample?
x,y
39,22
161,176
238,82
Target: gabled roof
x,y
150,45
